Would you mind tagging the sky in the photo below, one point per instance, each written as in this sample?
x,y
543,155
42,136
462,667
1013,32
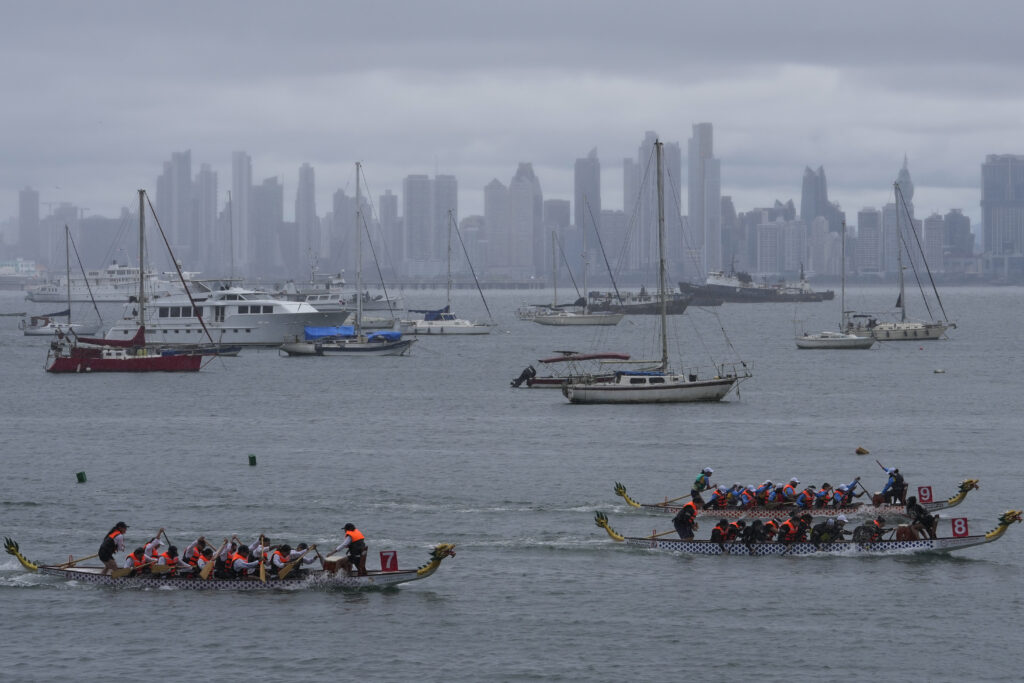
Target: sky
x,y
97,95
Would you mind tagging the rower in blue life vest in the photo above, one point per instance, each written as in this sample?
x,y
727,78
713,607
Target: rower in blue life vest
x,y
895,489
702,483
763,491
112,543
787,494
823,497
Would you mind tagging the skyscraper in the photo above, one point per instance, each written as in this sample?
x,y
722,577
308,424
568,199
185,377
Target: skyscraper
x,y
418,225
212,250
241,209
704,194
587,195
174,206
526,212
445,199
307,224
28,224
496,226
267,229
1002,208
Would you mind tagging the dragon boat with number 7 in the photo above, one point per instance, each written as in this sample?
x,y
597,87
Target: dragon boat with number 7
x,y
762,512
960,539
331,577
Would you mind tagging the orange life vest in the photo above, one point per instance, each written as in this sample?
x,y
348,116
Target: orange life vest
x,y
788,530
789,491
137,561
355,535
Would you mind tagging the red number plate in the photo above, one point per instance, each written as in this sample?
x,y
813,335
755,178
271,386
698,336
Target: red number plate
x,y
389,560
959,527
924,494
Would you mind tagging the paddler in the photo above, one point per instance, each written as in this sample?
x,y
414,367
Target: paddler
x,y
720,533
748,498
753,534
172,560
805,499
355,542
788,492
771,527
112,543
702,483
153,547
923,523
895,489
685,520
194,551
719,498
763,491
241,562
829,531
136,561
824,495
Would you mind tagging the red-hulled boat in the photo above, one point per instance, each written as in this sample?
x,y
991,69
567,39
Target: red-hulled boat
x,y
86,354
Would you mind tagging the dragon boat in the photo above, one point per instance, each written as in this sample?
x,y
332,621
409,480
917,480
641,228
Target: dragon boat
x,y
782,511
329,578
884,547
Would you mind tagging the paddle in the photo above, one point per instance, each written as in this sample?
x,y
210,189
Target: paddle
x,y
72,563
263,558
125,571
673,500
663,533
287,569
208,567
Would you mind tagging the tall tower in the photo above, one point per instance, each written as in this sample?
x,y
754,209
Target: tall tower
x,y
212,246
418,238
587,195
28,223
1002,205
704,195
241,206
526,210
307,224
496,224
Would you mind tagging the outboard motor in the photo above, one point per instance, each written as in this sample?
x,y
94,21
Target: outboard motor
x,y
527,373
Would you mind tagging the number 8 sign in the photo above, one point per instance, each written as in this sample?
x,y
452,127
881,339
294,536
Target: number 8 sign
x,y
959,527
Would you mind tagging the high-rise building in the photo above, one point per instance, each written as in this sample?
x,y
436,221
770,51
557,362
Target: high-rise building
x,y
241,210
212,252
526,212
704,194
814,201
268,230
958,240
587,194
497,228
869,241
307,224
418,225
28,224
174,206
1002,207
390,226
445,208
933,233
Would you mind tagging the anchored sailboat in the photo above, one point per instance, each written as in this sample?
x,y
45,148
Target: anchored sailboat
x,y
661,385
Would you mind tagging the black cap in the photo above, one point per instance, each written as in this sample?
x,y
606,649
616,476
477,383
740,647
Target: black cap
x,y
120,524
350,527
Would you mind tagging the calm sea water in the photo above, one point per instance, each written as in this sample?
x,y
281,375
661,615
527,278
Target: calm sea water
x,y
437,447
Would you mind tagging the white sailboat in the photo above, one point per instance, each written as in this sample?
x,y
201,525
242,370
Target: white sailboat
x,y
662,385
377,343
561,316
831,339
904,329
442,321
45,325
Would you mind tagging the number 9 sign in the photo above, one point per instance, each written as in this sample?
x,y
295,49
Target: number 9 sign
x,y
924,494
959,527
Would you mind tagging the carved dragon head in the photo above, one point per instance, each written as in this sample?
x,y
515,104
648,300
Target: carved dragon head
x,y
1005,520
440,551
11,546
601,520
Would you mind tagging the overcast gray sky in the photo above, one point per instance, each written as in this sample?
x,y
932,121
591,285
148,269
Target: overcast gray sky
x,y
98,94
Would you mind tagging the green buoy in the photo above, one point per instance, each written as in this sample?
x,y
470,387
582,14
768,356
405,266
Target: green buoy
x,y
252,460
80,476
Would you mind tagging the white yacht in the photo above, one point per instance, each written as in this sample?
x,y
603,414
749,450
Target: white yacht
x,y
115,283
233,315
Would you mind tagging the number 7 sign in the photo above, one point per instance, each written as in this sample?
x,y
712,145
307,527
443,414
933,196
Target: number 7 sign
x,y
389,560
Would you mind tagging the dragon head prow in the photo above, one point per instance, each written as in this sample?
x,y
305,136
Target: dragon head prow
x,y
11,546
969,485
440,551
620,490
601,520
1005,520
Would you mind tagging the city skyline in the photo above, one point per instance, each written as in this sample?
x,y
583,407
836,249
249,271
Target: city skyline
x,y
97,98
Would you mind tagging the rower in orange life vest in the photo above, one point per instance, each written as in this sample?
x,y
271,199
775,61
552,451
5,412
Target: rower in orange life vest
x,y
788,492
240,564
194,551
771,527
284,554
720,533
112,543
172,560
153,547
355,542
748,497
136,561
685,520
805,499
719,498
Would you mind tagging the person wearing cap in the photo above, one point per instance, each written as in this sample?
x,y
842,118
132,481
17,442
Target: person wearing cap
x,y
153,547
923,523
805,499
829,531
764,491
895,489
685,520
719,498
112,543
355,542
788,492
702,483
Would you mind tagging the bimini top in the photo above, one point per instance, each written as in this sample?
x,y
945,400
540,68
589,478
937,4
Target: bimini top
x,y
314,333
437,314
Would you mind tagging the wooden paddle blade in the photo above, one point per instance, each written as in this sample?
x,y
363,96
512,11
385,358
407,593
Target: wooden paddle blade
x,y
118,573
263,573
207,569
160,568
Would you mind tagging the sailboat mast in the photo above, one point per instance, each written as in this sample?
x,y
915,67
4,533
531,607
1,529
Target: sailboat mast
x,y
554,270
842,283
359,258
67,254
897,195
142,255
661,257
450,219
586,295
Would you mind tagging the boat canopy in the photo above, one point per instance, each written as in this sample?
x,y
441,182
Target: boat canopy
x,y
137,341
314,333
586,356
437,314
386,335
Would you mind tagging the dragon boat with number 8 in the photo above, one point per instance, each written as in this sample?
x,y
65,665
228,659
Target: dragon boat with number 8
x,y
885,547
782,511
312,578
